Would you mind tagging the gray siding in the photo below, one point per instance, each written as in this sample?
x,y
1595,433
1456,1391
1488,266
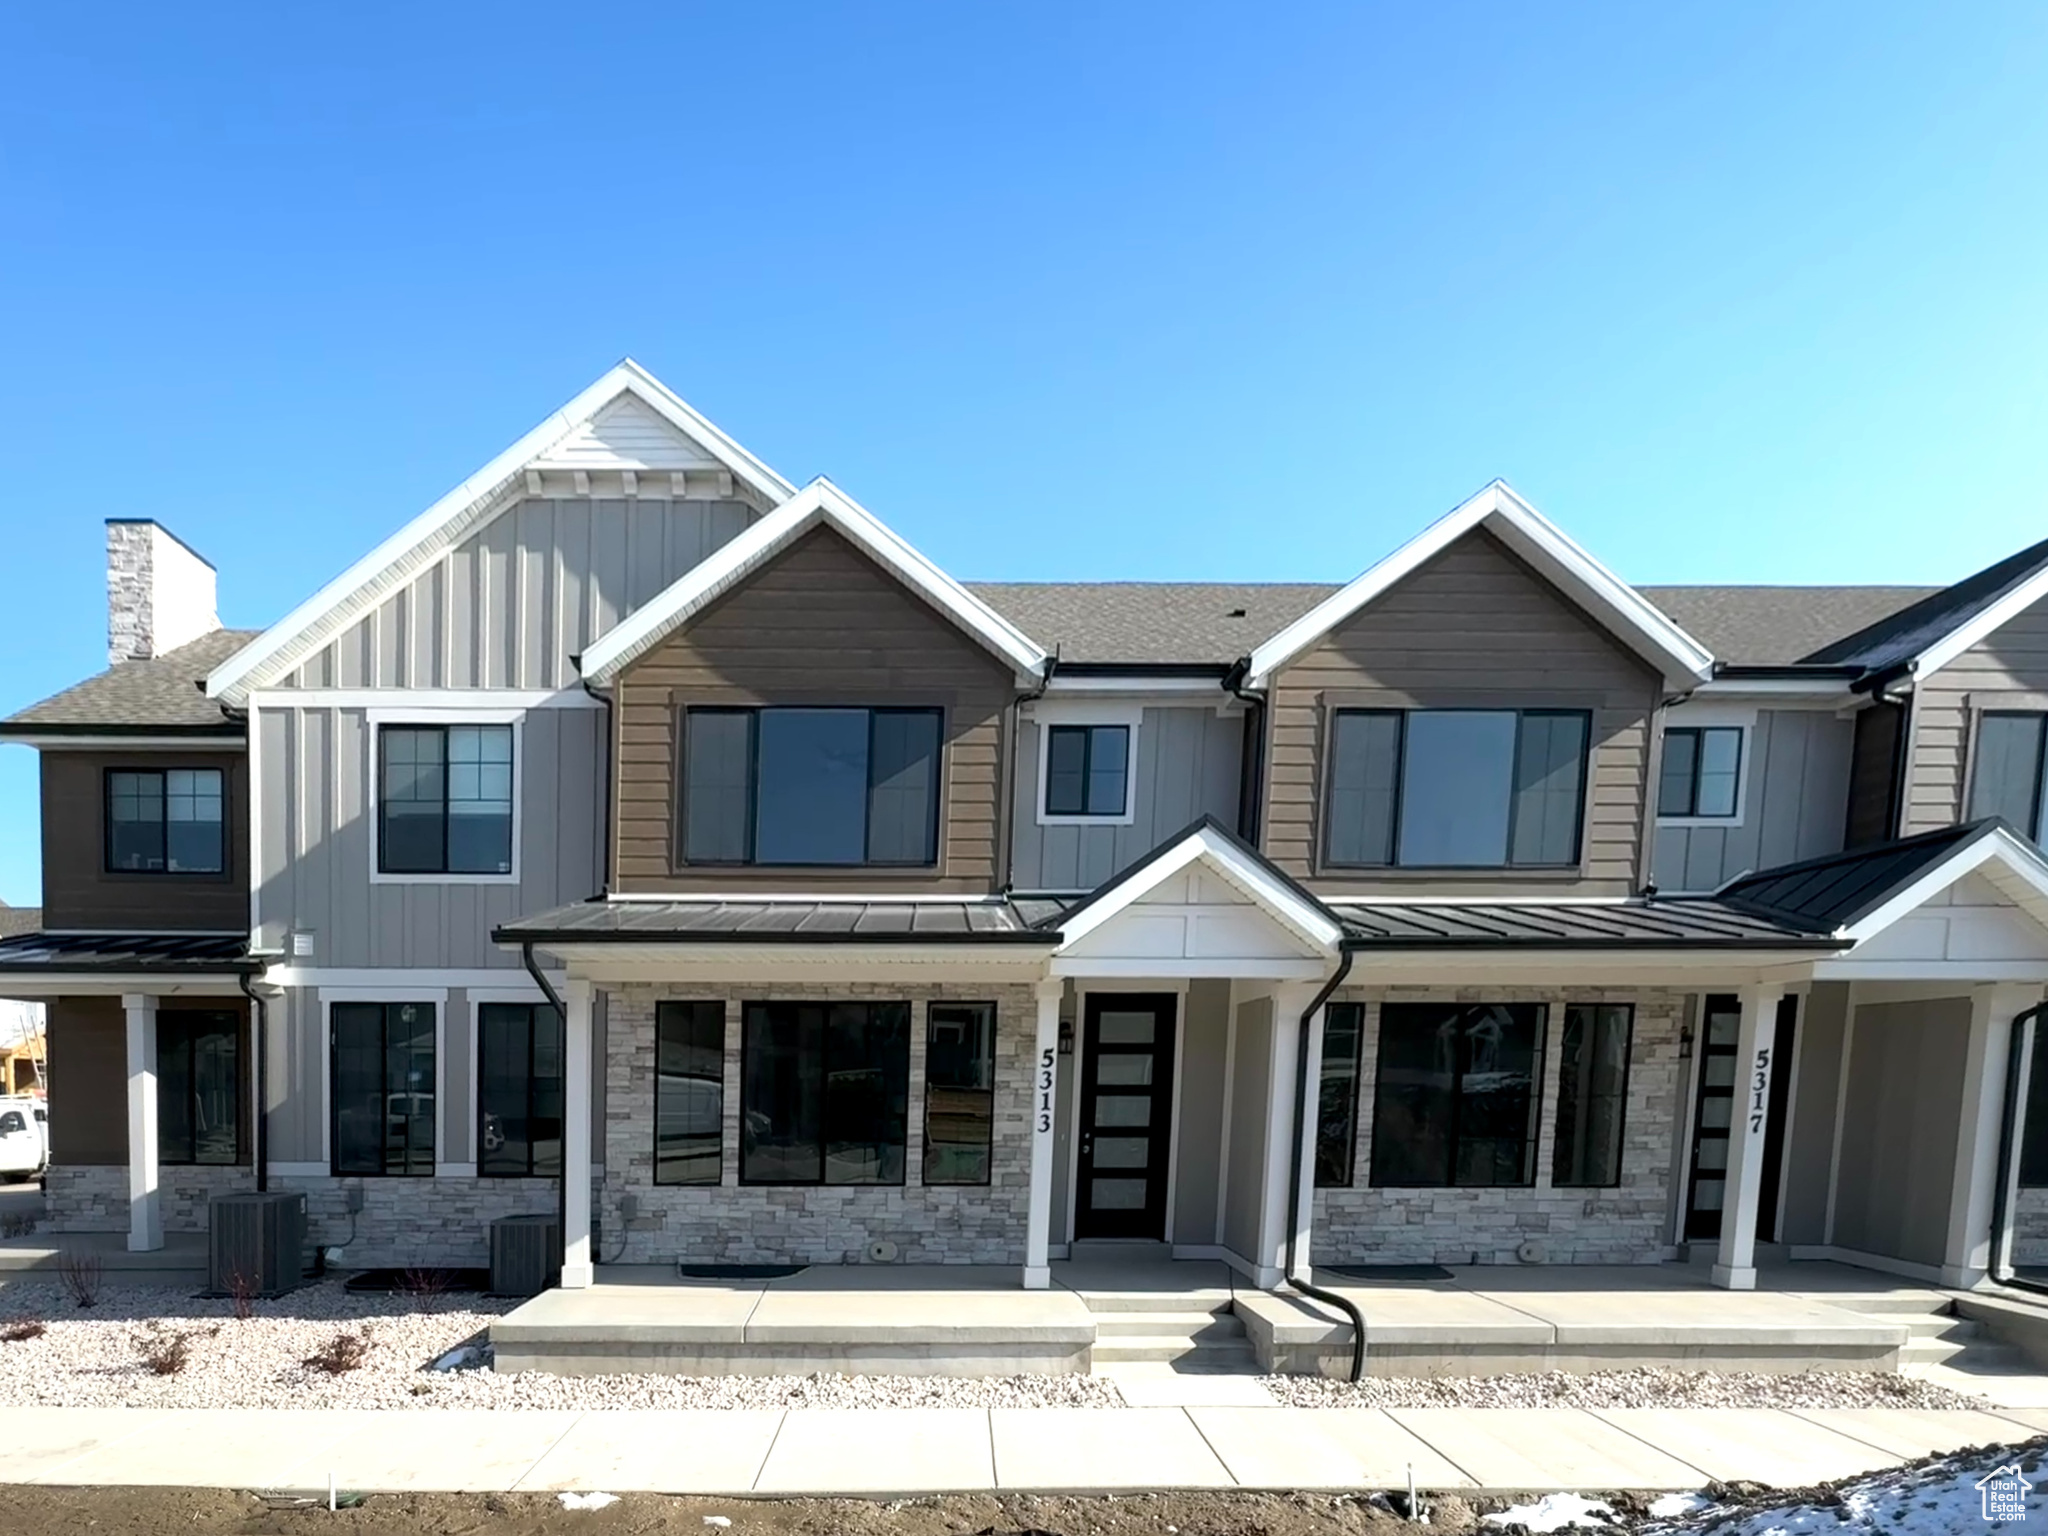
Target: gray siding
x,y
1810,1137
510,605
1899,1128
1244,1198
2007,671
1197,1157
1793,803
1187,766
318,843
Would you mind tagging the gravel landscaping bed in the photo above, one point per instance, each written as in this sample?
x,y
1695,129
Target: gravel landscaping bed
x,y
1645,1388
95,1359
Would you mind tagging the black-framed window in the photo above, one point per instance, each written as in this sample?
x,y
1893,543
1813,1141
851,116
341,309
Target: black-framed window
x,y
1455,1100
1337,1099
824,1092
166,821
1087,770
519,1094
2006,779
198,1088
811,786
1702,771
1592,1095
689,1092
1455,788
959,1092
2033,1173
382,1087
444,800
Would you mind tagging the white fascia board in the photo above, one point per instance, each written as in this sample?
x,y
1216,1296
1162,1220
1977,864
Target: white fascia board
x,y
1530,534
407,552
1138,684
1982,626
2016,869
819,503
1256,885
166,743
1777,691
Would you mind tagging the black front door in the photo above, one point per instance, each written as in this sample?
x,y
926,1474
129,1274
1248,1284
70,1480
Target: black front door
x,y
1126,1107
1714,1115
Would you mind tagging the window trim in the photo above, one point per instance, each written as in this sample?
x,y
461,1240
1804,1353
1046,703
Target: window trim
x,y
995,1032
1048,713
910,1122
1573,867
374,722
725,1027
227,821
476,1088
241,1094
679,849
438,996
1744,729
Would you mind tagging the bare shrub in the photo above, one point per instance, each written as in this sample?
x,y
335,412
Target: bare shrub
x,y
167,1351
19,1330
14,1225
81,1273
242,1293
346,1351
425,1286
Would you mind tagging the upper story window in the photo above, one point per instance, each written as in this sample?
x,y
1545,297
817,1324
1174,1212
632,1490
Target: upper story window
x,y
1087,771
166,821
2006,778
444,800
811,786
1455,788
1702,773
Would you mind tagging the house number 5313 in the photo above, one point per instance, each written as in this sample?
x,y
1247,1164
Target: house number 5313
x,y
1045,1091
1759,1086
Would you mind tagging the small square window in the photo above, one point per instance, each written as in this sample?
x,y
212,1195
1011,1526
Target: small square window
x,y
1702,772
1087,770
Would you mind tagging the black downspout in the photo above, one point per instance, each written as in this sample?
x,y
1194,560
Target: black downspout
x,y
1251,754
2023,1025
259,1026
1294,1194
548,991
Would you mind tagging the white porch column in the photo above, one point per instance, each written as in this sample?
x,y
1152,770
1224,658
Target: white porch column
x,y
1045,1057
1289,1002
1966,1253
145,1209
1735,1264
1306,1152
578,1271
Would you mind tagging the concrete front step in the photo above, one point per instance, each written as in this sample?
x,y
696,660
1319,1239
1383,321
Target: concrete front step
x,y
1930,1325
1205,1300
1194,1325
1176,1347
1976,1355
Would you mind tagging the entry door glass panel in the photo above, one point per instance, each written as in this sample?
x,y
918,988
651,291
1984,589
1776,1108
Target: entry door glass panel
x,y
1126,1077
1712,1116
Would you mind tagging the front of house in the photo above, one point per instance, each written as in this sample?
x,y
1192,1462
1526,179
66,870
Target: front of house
x,y
640,831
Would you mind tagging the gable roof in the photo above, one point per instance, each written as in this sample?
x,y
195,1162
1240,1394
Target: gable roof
x,y
1776,626
160,694
476,501
1533,538
819,504
1932,632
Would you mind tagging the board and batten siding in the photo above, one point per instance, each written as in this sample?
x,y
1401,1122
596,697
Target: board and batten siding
x,y
1187,766
318,845
1472,628
1796,772
509,606
2006,670
819,625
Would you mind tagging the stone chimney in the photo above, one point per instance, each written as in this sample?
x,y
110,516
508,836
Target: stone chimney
x,y
159,593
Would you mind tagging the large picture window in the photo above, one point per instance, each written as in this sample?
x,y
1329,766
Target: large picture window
x,y
198,1088
2006,777
166,821
1455,788
1337,1102
689,1093
444,800
1087,770
811,786
1455,1100
959,1092
383,1088
824,1092
1702,772
519,1090
1592,1093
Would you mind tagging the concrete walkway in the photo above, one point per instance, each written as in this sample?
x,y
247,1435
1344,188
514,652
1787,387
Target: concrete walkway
x,y
884,1451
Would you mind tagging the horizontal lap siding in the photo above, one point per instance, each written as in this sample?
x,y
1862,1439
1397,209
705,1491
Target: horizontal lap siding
x,y
1472,626
2007,671
821,625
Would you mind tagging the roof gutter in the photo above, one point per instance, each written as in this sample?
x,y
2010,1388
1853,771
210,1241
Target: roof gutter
x,y
1296,1147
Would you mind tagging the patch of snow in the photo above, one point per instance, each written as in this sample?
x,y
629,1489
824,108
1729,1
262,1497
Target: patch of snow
x,y
1556,1512
1669,1506
461,1358
588,1500
720,1521
1940,1498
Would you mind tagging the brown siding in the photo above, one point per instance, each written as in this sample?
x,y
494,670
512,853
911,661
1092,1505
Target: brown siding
x,y
2009,670
1873,775
79,892
821,625
1474,627
88,1081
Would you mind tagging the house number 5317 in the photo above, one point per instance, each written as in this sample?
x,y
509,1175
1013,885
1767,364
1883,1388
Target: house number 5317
x,y
1759,1086
1045,1090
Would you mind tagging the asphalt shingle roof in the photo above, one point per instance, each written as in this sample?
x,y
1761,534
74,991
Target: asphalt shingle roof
x,y
1904,634
161,693
15,921
1776,626
1149,622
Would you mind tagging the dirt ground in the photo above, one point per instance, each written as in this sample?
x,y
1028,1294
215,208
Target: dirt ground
x,y
208,1512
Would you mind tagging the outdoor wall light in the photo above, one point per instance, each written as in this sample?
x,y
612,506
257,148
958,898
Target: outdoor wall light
x,y
1066,1037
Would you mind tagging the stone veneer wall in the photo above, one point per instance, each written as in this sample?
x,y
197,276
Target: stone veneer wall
x,y
442,1221
94,1197
1625,1225
2030,1227
726,1223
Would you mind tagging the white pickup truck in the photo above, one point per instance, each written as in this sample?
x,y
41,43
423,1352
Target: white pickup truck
x,y
24,1138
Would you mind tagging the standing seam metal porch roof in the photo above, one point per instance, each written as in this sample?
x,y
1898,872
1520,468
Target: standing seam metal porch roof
x,y
1672,923
914,920
128,953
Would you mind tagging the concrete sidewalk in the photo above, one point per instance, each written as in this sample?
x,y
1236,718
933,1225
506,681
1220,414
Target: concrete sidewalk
x,y
883,1451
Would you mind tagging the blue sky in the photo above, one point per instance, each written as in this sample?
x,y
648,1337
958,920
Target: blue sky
x,y
1119,291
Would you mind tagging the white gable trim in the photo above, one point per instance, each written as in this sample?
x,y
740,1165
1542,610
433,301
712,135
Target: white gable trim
x,y
820,503
1632,619
1983,625
2005,861
1229,861
482,496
